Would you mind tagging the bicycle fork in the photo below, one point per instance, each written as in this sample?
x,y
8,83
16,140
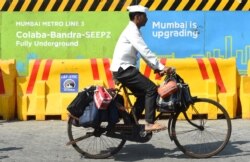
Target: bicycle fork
x,y
171,128
171,131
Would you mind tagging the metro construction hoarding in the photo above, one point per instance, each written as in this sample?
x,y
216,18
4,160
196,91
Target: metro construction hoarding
x,y
77,35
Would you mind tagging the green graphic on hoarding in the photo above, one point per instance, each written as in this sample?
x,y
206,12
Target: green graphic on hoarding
x,y
38,35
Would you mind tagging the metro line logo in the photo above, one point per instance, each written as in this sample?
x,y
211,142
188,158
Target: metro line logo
x,y
116,5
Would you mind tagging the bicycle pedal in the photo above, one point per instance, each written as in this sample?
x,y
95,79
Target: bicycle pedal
x,y
143,133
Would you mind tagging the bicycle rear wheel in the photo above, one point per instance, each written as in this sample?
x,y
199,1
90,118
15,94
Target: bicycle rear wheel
x,y
199,136
93,143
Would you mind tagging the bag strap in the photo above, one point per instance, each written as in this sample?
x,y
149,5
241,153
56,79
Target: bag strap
x,y
179,79
175,77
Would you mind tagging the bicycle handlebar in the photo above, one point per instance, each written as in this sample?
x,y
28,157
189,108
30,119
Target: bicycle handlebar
x,y
172,72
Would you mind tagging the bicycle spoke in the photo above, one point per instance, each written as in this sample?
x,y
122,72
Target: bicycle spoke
x,y
93,143
80,138
201,137
184,132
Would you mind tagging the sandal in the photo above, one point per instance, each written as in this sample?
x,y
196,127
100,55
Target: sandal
x,y
154,127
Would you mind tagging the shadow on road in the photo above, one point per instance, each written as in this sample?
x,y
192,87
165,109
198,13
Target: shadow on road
x,y
235,149
10,148
3,157
2,150
136,152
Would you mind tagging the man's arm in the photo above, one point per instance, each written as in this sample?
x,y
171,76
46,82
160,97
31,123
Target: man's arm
x,y
137,41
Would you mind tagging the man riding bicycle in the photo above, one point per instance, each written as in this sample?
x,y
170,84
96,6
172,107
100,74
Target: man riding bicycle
x,y
129,46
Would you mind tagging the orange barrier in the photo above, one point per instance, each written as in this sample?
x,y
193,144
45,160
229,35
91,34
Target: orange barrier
x,y
7,89
53,84
245,94
213,78
48,88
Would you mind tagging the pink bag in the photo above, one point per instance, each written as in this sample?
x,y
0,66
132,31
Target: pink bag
x,y
102,98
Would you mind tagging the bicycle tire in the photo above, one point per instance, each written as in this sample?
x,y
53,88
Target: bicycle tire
x,y
91,146
213,135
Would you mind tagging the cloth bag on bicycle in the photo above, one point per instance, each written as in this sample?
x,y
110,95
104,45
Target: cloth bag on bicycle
x,y
100,110
83,98
92,116
167,88
167,95
102,97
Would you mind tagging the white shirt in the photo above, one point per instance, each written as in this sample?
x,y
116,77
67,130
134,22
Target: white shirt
x,y
128,45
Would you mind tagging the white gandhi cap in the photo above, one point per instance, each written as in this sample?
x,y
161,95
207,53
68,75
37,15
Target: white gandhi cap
x,y
137,8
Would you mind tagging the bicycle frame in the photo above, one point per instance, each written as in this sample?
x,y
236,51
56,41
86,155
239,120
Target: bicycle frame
x,y
184,134
171,117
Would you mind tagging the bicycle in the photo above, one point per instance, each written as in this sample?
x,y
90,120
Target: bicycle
x,y
189,127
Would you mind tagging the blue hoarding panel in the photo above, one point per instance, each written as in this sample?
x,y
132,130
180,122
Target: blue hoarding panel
x,y
172,33
227,35
199,34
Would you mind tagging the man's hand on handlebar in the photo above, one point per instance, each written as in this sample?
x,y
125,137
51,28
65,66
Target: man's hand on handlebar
x,y
167,70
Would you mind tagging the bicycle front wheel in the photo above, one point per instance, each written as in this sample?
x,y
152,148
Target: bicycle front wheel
x,y
93,143
205,130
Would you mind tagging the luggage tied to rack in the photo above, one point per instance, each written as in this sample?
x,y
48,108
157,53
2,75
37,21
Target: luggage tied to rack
x,y
173,94
94,105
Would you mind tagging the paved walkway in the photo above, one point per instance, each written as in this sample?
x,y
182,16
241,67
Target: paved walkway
x,y
44,141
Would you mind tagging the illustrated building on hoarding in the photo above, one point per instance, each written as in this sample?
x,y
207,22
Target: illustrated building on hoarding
x,y
242,55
